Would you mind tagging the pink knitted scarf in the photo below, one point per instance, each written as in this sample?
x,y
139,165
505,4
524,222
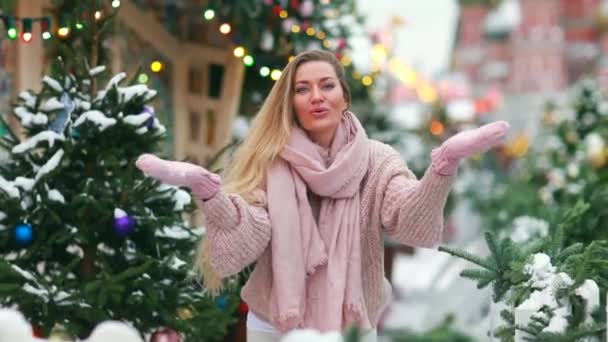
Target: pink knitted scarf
x,y
330,251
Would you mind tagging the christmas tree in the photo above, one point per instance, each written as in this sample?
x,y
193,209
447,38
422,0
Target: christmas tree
x,y
84,236
545,237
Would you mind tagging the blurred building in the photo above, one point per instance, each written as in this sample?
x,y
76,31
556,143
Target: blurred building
x,y
531,50
530,46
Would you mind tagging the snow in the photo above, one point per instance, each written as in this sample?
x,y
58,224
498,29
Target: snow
x,y
160,129
174,232
24,274
75,250
128,93
559,321
97,70
590,293
28,98
15,327
32,142
28,118
115,80
98,118
102,247
67,82
53,83
540,270
546,285
9,188
50,165
118,213
141,130
25,183
55,195
176,263
181,198
136,119
114,331
84,105
527,227
42,293
52,104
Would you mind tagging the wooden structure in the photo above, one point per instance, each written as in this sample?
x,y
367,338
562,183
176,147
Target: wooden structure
x,y
205,81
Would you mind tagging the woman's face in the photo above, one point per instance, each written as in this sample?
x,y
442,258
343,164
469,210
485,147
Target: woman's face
x,y
318,100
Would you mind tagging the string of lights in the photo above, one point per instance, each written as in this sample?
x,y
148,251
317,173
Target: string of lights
x,y
291,26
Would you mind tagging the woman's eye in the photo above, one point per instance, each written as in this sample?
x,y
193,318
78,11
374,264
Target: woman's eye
x,y
329,86
301,90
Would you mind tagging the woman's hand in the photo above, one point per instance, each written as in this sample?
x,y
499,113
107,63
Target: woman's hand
x,y
445,158
203,183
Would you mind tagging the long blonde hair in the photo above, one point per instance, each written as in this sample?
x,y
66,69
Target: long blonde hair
x,y
267,136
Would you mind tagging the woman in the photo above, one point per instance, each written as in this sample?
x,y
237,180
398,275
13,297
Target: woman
x,y
308,197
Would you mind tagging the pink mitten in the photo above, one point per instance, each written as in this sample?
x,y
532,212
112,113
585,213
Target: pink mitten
x,y
203,183
444,159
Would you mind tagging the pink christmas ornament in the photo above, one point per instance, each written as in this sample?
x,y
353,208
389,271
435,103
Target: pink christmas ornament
x,y
165,335
307,8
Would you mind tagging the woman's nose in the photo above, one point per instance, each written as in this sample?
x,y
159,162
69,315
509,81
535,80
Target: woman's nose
x,y
315,95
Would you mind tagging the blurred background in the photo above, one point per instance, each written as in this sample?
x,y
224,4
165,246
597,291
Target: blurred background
x,y
420,71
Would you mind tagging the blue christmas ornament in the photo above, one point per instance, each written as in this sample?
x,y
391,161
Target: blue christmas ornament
x,y
222,302
62,118
23,234
123,223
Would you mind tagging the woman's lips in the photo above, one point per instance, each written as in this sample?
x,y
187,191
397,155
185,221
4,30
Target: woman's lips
x,y
318,113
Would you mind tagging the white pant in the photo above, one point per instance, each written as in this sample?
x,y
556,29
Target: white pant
x,y
260,336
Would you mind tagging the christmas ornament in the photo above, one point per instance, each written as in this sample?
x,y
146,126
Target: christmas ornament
x,y
276,10
165,335
222,302
37,332
63,117
243,308
596,148
23,234
184,313
307,8
114,331
123,223
59,334
267,41
13,326
150,123
288,24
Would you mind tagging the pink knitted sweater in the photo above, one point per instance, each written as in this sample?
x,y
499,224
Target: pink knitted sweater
x,y
392,202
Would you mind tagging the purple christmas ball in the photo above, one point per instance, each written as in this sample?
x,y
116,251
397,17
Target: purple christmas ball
x,y
123,223
150,121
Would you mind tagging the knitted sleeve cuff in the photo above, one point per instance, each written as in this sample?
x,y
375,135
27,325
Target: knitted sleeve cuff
x,y
221,211
441,163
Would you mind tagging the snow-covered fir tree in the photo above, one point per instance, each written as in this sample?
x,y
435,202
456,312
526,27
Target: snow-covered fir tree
x,y
86,237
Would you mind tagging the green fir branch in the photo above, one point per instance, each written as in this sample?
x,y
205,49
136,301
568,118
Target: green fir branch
x,y
469,257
